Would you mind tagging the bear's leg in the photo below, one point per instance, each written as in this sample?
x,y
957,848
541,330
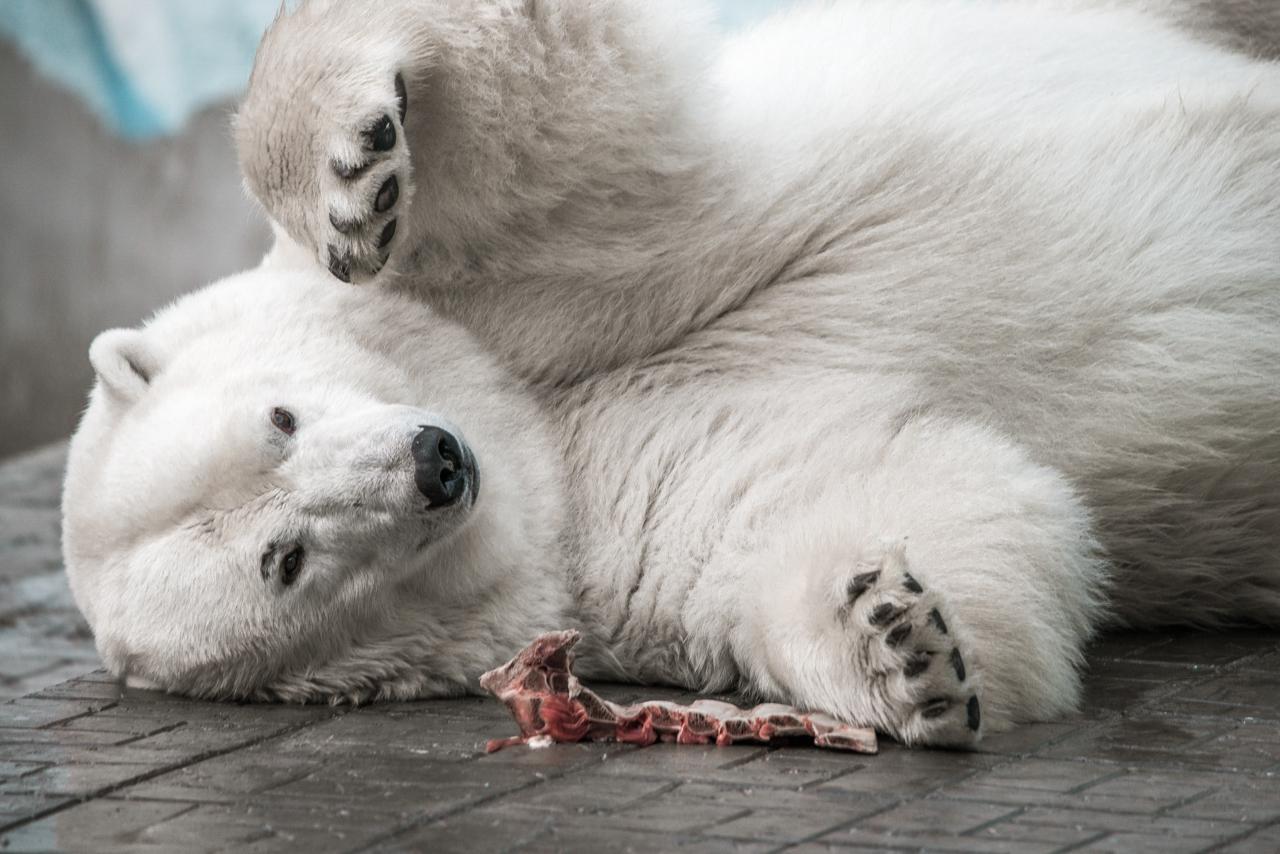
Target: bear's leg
x,y
488,115
946,593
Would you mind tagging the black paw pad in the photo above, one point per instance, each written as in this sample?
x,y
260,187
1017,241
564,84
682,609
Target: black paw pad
x,y
387,195
343,226
402,96
975,714
344,170
382,136
936,708
885,614
912,585
957,664
916,666
387,233
860,584
898,634
936,619
339,265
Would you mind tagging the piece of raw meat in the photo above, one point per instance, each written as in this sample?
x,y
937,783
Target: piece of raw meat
x,y
550,705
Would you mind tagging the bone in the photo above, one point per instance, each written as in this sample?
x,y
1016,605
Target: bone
x,y
550,705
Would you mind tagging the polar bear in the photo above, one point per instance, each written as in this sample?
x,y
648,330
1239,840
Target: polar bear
x,y
869,366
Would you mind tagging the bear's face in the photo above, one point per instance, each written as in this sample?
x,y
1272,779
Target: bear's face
x,y
265,485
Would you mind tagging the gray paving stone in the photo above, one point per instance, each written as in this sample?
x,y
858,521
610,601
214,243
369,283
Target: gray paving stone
x,y
1263,841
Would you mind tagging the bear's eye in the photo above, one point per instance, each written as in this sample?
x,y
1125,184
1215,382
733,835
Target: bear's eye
x,y
284,421
291,566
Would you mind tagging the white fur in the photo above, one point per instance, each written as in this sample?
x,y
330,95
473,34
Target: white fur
x,y
982,294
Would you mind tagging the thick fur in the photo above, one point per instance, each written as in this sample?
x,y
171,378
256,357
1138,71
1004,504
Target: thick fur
x,y
867,367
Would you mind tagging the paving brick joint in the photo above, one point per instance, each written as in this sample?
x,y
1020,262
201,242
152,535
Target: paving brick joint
x,y
1176,749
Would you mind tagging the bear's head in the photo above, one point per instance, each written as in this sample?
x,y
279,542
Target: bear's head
x,y
289,488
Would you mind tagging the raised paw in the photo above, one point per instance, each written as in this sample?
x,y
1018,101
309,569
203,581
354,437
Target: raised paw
x,y
332,168
361,194
924,691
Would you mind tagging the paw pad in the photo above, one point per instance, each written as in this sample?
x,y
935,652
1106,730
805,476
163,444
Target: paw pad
x,y
382,136
387,233
339,265
387,195
342,226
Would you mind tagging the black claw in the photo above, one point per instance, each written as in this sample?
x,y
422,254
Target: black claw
x,y
916,666
937,620
885,614
387,233
382,136
860,584
936,708
913,585
975,714
339,265
402,96
344,226
387,195
957,663
898,634
343,170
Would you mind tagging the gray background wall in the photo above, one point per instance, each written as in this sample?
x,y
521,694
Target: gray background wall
x,y
97,232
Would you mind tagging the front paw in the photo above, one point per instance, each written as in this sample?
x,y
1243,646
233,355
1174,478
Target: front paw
x,y
364,181
924,685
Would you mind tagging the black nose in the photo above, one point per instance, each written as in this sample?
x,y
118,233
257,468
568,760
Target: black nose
x,y
442,464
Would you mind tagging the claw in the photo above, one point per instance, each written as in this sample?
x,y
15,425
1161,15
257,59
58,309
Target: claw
x,y
860,584
975,714
957,663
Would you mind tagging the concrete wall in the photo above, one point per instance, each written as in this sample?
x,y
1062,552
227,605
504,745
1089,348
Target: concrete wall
x,y
95,233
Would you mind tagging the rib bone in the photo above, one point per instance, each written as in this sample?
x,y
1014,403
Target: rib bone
x,y
550,705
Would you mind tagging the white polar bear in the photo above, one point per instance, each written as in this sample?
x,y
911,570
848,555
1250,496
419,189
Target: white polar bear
x,y
867,370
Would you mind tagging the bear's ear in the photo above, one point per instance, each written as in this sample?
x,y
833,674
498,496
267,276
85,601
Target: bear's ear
x,y
124,363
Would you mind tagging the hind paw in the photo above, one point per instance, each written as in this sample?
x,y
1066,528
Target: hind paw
x,y
922,681
364,188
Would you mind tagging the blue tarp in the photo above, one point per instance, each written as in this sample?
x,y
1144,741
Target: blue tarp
x,y
145,66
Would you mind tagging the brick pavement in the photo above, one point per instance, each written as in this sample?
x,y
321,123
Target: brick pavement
x,y
43,638
1176,750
